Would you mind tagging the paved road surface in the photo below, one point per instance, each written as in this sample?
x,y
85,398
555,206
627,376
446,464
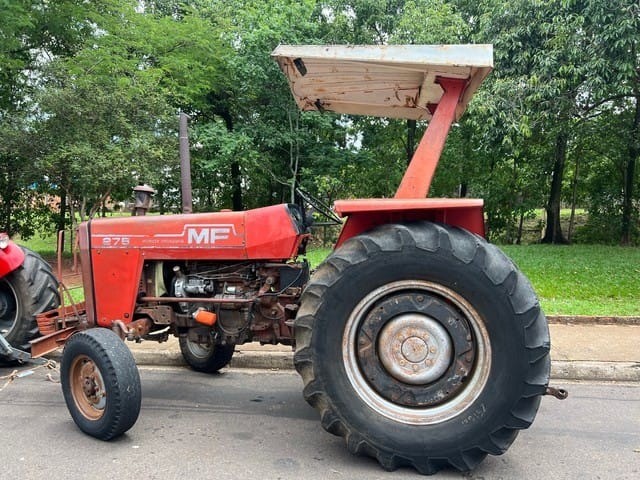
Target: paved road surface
x,y
255,425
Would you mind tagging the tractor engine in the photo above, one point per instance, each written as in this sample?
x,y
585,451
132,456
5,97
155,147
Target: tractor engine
x,y
224,303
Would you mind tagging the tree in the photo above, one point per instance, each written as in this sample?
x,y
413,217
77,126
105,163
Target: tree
x,y
109,112
615,86
32,33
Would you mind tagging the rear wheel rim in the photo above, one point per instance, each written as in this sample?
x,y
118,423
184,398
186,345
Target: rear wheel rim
x,y
9,308
200,350
87,388
399,363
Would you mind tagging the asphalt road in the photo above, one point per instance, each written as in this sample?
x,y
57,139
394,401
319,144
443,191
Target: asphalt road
x,y
255,425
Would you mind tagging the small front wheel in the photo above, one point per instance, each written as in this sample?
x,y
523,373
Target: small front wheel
x,y
100,383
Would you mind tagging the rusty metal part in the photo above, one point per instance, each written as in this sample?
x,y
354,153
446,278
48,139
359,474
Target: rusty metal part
x,y
134,330
559,393
185,164
239,301
429,403
61,318
120,328
159,314
87,388
59,265
48,343
62,288
139,328
413,316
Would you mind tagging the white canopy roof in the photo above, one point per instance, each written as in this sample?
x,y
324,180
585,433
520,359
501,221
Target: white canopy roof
x,y
397,81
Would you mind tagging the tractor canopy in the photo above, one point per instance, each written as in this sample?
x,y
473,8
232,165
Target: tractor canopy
x,y
397,81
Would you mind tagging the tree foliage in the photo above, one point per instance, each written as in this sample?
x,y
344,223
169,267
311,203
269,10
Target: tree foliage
x,y
90,93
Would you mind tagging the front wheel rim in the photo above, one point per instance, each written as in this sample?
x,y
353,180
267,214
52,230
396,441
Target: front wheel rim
x,y
392,406
88,388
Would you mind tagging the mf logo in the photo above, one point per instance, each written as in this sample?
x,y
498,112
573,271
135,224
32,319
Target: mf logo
x,y
208,235
199,234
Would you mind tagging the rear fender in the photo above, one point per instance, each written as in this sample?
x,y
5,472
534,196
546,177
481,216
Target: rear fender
x,y
365,214
11,258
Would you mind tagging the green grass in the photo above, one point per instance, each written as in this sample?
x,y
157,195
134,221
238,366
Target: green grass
x,y
44,245
573,280
582,279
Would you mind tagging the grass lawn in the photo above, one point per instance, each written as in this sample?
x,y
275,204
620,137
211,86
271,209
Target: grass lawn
x,y
582,279
573,280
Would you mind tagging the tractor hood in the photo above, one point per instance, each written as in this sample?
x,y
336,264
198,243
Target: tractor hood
x,y
397,81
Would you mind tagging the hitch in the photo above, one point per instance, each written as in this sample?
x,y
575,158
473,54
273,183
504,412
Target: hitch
x,y
10,354
559,393
7,352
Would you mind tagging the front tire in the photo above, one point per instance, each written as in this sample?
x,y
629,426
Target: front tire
x,y
25,292
423,346
100,383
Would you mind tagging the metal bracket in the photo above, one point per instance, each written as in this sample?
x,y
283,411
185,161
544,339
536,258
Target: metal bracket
x,y
559,393
8,353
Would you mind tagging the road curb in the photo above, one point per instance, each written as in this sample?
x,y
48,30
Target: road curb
x,y
584,370
591,320
560,369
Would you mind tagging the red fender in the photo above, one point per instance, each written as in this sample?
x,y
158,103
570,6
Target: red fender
x,y
11,258
365,214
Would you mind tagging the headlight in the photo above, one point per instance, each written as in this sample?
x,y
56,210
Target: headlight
x,y
4,241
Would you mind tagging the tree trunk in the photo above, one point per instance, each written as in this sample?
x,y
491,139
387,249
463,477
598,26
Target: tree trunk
x,y
553,230
237,187
630,171
236,178
520,227
574,194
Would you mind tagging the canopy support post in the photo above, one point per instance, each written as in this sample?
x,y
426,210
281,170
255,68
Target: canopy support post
x,y
417,178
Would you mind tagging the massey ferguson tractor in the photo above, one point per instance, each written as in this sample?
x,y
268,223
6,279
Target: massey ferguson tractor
x,y
27,288
417,341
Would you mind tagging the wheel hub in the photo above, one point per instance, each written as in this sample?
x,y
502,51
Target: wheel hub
x,y
91,382
414,348
416,352
87,388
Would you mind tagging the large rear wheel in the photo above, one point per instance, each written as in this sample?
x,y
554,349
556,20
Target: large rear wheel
x,y
423,346
25,292
100,383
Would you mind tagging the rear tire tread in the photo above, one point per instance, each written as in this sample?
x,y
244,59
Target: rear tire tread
x,y
37,287
468,248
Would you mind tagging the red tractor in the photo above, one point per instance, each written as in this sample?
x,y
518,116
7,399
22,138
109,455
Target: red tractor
x,y
417,341
27,288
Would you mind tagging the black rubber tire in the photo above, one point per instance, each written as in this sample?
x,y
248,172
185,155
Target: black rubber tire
x,y
27,291
206,360
119,377
516,330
